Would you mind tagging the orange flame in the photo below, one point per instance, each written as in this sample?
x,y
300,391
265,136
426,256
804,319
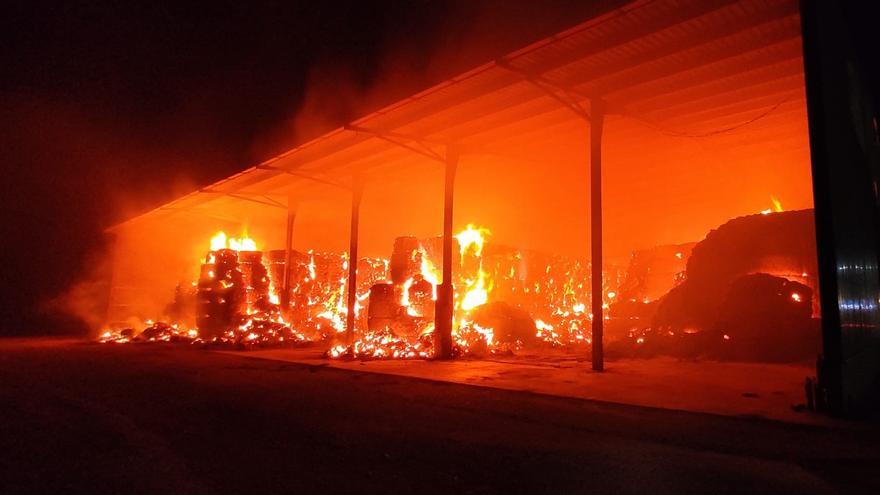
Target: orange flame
x,y
777,206
243,243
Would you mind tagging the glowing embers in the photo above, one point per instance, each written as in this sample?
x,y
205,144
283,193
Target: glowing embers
x,y
400,321
497,293
234,302
233,287
265,332
154,332
384,344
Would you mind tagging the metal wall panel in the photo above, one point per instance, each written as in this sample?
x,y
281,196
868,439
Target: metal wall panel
x,y
844,150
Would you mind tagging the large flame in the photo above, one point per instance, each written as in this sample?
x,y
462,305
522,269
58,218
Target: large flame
x,y
473,239
429,272
476,293
243,243
563,317
476,288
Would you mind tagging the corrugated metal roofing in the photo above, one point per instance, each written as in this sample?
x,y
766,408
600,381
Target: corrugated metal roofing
x,y
681,67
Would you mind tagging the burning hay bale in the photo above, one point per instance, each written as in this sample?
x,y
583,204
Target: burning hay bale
x,y
505,299
221,293
385,313
183,308
234,302
765,318
739,288
781,244
497,290
255,279
654,272
512,327
404,262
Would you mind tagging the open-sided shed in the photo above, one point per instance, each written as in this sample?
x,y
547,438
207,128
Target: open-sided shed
x,y
649,124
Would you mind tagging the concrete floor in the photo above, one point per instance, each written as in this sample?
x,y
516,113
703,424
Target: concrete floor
x,y
735,389
88,418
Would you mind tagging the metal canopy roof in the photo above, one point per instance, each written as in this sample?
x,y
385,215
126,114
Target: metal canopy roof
x,y
681,68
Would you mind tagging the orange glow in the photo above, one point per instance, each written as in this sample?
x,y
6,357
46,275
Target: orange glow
x,y
777,205
430,273
476,290
472,239
686,156
243,243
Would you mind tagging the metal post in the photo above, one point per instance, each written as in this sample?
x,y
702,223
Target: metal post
x,y
445,299
597,118
356,194
288,258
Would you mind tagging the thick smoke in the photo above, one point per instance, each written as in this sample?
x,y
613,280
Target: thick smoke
x,y
118,109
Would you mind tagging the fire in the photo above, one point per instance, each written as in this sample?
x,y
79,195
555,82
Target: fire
x,y
430,273
476,293
247,284
777,206
476,289
219,241
404,295
554,295
473,239
385,345
243,243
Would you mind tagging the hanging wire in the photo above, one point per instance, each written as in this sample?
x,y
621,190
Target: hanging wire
x,y
674,133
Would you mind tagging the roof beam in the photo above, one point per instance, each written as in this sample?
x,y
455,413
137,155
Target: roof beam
x,y
248,197
562,94
304,175
196,211
398,139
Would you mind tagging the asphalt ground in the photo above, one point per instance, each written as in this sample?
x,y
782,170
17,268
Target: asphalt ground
x,y
89,418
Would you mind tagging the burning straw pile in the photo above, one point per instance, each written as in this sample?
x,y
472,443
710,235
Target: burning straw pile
x,y
239,299
687,299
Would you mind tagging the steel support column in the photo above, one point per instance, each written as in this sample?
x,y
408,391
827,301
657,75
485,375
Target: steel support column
x,y
443,312
288,258
356,194
597,113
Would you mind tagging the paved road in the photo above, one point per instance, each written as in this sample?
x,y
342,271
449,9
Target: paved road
x,y
80,418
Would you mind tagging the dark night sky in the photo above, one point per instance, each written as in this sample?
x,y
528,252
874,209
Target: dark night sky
x,y
110,108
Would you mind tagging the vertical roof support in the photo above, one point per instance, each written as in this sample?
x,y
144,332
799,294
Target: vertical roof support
x,y
596,118
596,124
356,195
443,310
288,258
